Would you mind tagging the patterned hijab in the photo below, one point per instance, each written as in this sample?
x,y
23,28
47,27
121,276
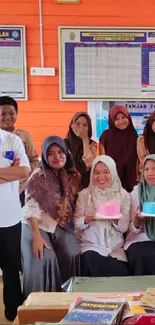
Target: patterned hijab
x,y
147,194
54,190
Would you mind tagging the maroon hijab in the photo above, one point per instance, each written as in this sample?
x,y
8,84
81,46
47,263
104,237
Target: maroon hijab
x,y
149,135
121,146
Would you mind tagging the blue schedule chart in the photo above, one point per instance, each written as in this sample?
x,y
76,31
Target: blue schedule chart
x,y
107,63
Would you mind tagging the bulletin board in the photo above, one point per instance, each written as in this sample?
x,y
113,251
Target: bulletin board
x,y
13,76
99,114
107,63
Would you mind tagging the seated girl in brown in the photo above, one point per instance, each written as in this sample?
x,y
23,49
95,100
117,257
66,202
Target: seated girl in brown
x,y
146,143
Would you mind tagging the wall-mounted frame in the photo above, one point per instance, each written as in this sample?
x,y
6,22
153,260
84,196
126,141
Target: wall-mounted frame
x,y
110,63
68,1
13,74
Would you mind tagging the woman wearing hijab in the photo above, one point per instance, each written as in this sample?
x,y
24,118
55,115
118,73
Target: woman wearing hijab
x,y
146,143
102,241
119,142
80,144
140,241
49,249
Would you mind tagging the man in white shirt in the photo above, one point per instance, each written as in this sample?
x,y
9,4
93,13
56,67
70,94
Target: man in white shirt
x,y
14,166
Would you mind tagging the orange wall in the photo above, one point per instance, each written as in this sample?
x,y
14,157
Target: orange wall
x,y
43,114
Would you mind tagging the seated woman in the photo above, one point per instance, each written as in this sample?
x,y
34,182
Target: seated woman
x,y
80,144
102,241
146,143
140,241
119,142
50,251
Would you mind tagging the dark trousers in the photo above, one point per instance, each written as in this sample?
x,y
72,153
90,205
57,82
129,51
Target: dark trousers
x,y
141,258
22,198
10,263
95,265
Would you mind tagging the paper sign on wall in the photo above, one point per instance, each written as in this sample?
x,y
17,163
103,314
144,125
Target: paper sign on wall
x,y
99,111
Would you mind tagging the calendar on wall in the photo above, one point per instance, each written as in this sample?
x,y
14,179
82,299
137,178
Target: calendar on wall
x,y
106,63
13,75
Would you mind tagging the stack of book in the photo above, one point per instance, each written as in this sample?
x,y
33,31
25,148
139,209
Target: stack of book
x,y
134,309
87,310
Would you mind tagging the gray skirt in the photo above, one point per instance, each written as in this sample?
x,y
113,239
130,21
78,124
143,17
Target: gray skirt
x,y
58,264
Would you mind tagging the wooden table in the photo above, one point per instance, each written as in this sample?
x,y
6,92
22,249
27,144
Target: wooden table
x,y
51,307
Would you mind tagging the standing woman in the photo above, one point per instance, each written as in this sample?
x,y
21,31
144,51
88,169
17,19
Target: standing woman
x,y
140,241
80,144
119,142
146,143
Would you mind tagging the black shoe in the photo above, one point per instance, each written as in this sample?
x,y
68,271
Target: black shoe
x,y
10,316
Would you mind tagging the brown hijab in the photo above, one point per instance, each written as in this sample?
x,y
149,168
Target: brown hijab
x,y
149,135
121,146
55,190
75,145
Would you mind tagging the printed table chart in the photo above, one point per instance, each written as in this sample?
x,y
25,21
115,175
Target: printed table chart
x,y
107,69
107,63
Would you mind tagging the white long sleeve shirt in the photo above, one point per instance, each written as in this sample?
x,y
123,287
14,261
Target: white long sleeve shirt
x,y
103,237
134,234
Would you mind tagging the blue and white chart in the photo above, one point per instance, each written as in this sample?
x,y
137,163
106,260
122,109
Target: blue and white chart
x,y
107,63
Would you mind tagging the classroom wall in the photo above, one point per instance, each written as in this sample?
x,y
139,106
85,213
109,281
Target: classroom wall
x,y
43,114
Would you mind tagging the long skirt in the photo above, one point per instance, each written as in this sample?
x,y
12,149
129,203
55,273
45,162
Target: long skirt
x,y
95,265
58,264
141,258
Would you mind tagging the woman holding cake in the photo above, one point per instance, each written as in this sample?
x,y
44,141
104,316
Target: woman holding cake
x,y
102,241
140,241
80,144
119,142
146,143
50,251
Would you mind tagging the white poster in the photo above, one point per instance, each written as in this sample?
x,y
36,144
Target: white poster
x,y
99,111
13,75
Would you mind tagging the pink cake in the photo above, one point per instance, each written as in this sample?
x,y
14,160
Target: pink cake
x,y
108,209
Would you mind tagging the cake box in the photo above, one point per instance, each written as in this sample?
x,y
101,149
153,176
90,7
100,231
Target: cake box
x,y
148,209
108,210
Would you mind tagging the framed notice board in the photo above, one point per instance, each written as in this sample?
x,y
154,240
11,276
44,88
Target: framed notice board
x,y
13,75
107,63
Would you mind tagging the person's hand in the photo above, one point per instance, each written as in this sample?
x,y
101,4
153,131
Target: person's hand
x,y
88,218
82,133
38,245
138,220
16,162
